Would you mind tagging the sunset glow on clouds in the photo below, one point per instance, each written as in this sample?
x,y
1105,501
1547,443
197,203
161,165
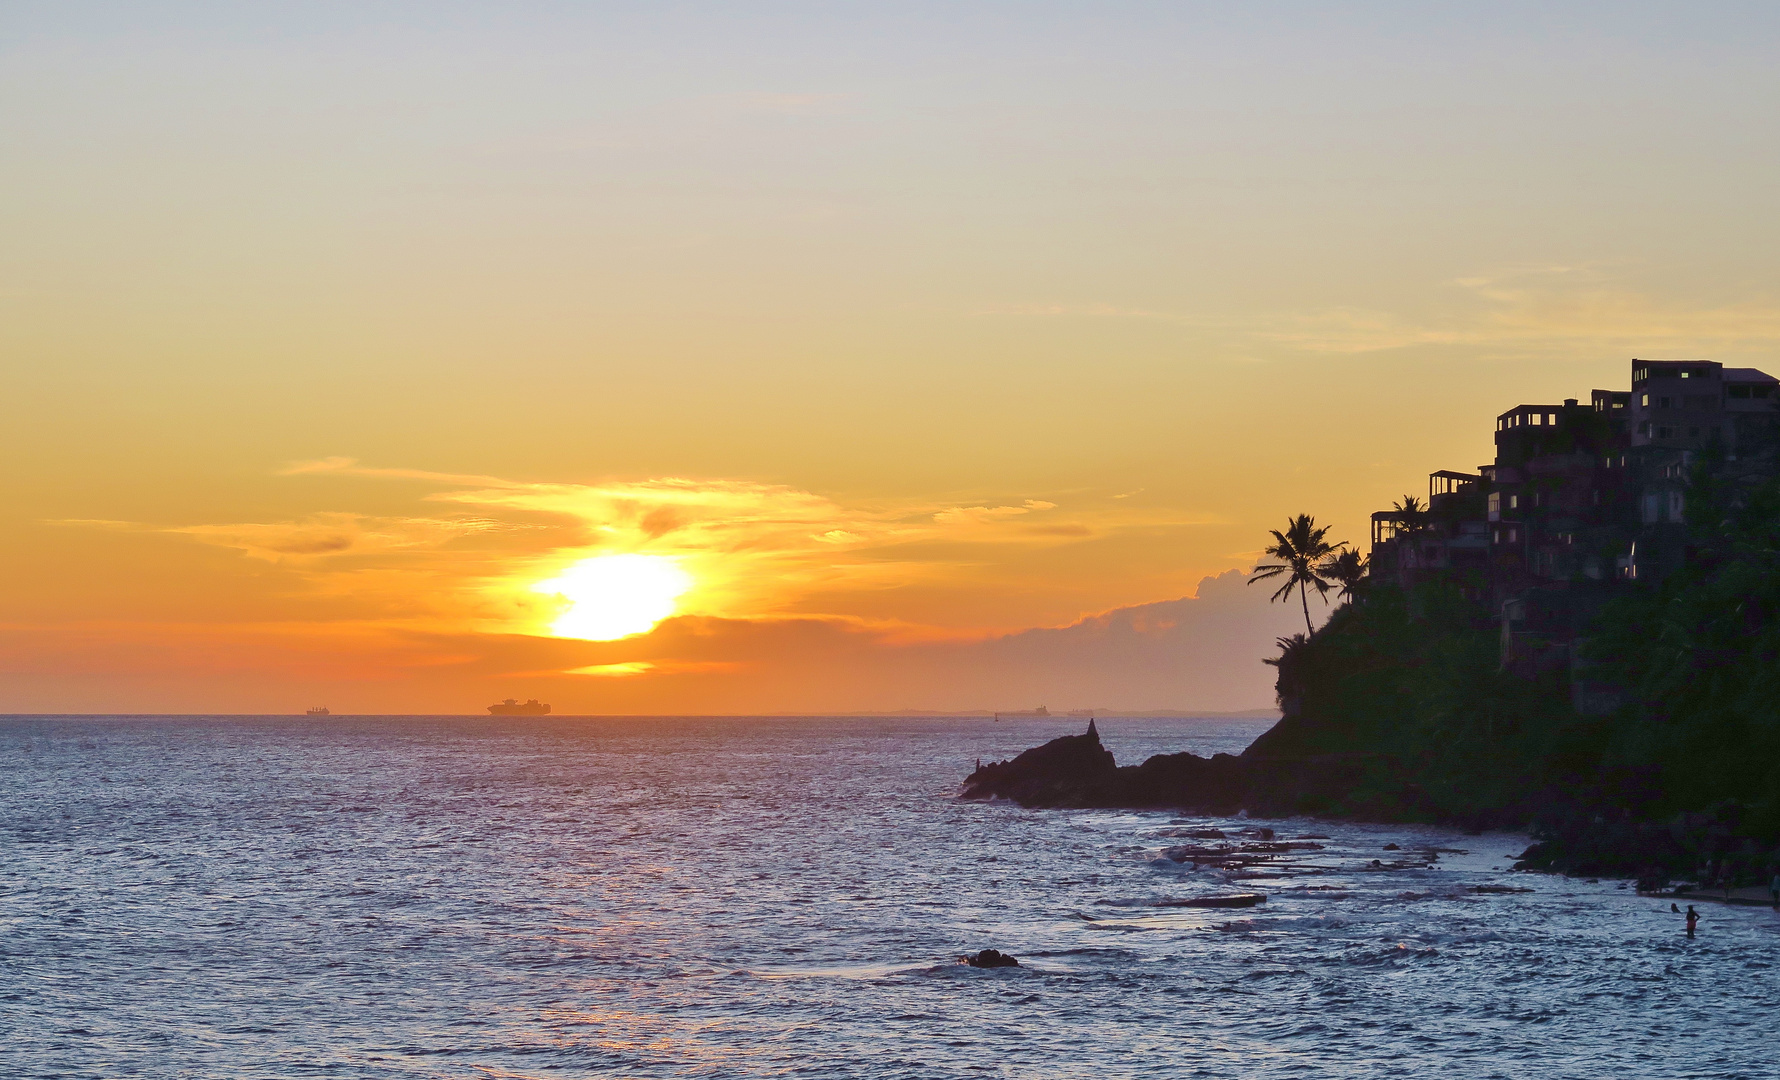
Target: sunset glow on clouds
x,y
602,561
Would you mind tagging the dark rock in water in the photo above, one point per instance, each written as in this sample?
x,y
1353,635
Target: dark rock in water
x,y
1392,847
1239,900
989,958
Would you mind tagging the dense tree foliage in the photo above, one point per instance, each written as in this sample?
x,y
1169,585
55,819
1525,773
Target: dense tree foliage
x,y
1700,657
1410,681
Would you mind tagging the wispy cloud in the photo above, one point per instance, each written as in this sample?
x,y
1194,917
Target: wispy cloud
x,y
1535,307
330,534
635,668
345,466
315,536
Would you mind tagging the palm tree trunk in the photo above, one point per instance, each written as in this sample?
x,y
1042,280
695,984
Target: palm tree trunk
x,y
1308,632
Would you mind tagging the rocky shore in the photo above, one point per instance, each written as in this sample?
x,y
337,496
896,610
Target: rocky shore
x,y
1580,833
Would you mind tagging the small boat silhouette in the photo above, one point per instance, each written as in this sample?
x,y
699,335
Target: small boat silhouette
x,y
318,710
509,707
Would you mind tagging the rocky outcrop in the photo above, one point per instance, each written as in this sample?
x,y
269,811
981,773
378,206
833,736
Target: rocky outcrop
x,y
1077,771
989,958
1074,770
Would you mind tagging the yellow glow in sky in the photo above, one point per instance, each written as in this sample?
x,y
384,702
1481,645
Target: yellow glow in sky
x,y
615,596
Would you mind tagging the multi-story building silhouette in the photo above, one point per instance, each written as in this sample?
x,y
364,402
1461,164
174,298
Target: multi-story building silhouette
x,y
1580,500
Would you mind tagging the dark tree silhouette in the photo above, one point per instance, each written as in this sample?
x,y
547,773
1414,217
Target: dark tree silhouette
x,y
1412,514
1348,569
1302,551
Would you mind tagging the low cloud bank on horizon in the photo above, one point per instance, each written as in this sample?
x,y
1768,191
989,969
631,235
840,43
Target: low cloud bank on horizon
x,y
1193,654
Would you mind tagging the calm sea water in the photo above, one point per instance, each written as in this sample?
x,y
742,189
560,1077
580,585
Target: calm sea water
x,y
562,897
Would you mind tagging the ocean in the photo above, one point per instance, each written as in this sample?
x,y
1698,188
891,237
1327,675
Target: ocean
x,y
759,897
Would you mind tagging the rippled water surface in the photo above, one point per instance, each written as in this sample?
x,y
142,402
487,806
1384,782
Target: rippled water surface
x,y
562,897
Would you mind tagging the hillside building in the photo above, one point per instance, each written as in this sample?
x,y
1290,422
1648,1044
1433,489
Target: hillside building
x,y
1580,499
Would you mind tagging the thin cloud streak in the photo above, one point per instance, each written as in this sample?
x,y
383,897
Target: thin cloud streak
x,y
1567,306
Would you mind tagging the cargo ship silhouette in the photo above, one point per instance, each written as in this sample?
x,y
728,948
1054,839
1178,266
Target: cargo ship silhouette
x,y
509,707
319,710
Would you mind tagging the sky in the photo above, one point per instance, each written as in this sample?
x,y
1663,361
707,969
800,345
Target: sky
x,y
718,358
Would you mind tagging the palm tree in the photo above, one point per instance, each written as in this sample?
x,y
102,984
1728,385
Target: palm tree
x,y
1301,551
1412,513
1349,569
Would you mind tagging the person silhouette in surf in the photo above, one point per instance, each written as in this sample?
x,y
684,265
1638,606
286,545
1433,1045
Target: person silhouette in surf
x,y
1693,920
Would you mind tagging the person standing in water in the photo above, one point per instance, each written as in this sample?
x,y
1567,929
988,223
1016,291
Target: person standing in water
x,y
1693,920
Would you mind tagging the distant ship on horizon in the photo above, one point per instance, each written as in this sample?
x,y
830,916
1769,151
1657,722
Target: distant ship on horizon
x,y
1040,711
509,707
318,710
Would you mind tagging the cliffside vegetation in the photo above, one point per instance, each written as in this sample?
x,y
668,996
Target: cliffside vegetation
x,y
1700,658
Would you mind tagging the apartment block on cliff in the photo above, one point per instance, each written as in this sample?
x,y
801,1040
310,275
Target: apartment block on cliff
x,y
1581,498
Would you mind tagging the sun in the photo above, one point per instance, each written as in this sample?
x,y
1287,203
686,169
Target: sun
x,y
614,596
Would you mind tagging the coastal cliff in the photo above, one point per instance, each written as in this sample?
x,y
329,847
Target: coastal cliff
x,y
1401,708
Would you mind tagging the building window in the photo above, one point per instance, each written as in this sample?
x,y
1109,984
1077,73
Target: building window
x,y
1761,391
1739,391
1495,505
1514,502
1644,400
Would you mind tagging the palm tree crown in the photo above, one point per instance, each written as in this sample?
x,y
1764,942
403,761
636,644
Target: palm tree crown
x,y
1303,553
1348,568
1412,513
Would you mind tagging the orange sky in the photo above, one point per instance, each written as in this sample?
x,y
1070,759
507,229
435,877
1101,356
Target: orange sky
x,y
329,336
